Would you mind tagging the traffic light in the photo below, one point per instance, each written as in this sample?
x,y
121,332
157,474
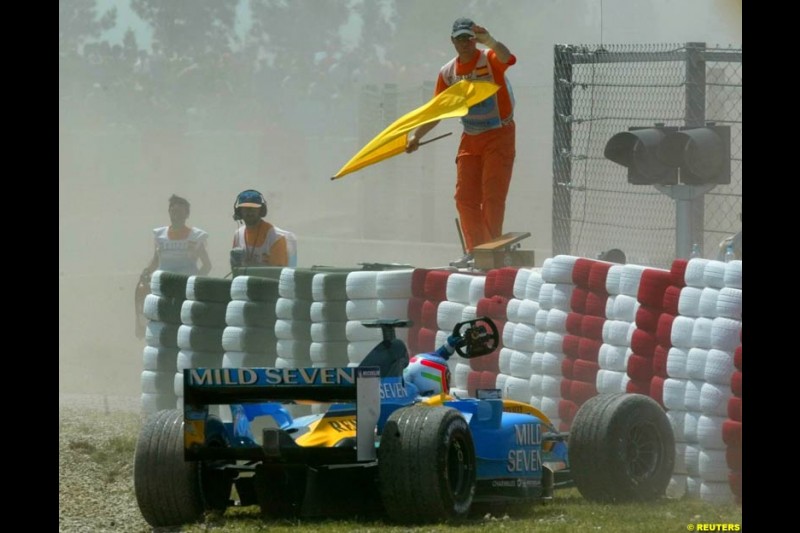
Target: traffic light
x,y
637,149
703,154
654,156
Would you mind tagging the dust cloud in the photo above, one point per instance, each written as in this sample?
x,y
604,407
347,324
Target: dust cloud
x,y
281,114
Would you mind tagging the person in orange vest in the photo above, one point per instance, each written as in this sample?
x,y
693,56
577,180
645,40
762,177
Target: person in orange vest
x,y
487,150
257,242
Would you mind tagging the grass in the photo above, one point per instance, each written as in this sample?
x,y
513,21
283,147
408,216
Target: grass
x,y
568,512
112,455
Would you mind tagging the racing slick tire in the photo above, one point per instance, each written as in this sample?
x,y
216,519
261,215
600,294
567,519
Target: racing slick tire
x,y
426,465
171,491
621,448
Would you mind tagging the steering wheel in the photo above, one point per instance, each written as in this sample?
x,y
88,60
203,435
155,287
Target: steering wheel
x,y
479,337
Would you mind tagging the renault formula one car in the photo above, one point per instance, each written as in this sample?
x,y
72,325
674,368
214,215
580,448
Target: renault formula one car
x,y
384,448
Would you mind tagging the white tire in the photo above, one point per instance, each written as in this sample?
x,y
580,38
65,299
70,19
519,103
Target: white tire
x,y
159,359
512,310
476,289
470,312
521,364
733,274
329,286
247,359
691,399
557,321
243,313
729,303
625,308
286,287
457,289
709,432
613,279
551,363
562,295
541,319
714,399
527,312
504,359
518,389
203,338
554,342
293,330
681,333
696,359
674,395
291,309
521,282
725,334
336,331
363,309
355,331
255,289
156,382
701,332
615,332
329,311
523,337
357,351
198,359
613,357
392,308
713,466
714,274
558,269
533,286
292,349
162,308
546,295
329,352
708,302
719,367
161,334
362,285
689,301
250,339
693,275
630,279
394,284
718,493
448,314
676,362
676,488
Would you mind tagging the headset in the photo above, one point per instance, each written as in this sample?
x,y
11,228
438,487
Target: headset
x,y
237,213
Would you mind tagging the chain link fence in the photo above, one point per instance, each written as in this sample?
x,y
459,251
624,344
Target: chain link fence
x,y
599,91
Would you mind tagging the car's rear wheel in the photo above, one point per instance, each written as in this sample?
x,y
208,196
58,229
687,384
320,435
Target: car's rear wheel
x,y
621,448
171,491
427,465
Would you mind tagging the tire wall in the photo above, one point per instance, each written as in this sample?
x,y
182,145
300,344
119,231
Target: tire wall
x,y
572,329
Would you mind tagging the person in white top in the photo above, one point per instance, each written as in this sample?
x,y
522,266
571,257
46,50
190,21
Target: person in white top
x,y
178,247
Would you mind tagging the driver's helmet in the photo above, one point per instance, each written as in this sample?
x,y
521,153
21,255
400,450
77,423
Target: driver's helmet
x,y
429,373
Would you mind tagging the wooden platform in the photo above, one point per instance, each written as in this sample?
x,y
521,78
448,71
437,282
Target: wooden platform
x,y
503,252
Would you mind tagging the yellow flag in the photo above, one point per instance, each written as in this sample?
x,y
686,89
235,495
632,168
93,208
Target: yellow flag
x,y
454,101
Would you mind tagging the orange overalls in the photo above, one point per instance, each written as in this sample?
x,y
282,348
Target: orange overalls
x,y
485,158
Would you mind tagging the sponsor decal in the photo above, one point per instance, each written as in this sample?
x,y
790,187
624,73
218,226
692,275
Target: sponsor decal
x,y
528,434
271,376
523,460
392,390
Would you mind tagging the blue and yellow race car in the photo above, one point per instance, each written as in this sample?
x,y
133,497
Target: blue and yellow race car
x,y
392,444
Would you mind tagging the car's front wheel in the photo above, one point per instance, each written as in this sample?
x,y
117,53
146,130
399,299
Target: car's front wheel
x,y
621,448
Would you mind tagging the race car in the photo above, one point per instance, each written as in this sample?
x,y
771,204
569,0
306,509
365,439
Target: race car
x,y
393,444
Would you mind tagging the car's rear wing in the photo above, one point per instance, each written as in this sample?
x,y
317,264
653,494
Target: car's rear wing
x,y
225,386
